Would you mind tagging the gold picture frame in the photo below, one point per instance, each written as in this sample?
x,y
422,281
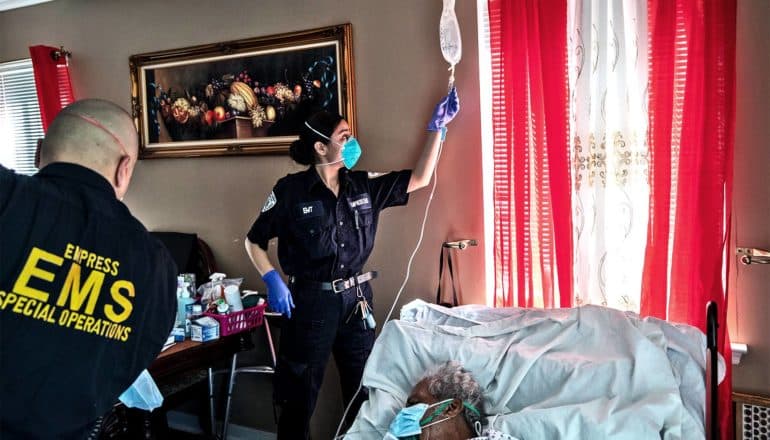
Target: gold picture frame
x,y
240,97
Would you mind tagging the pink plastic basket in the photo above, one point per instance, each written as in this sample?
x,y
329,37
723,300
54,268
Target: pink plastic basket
x,y
236,322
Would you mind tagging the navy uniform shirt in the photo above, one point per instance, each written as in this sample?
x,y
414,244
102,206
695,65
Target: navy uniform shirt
x,y
322,237
87,299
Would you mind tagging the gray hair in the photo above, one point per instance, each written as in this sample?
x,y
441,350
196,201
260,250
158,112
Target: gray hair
x,y
449,381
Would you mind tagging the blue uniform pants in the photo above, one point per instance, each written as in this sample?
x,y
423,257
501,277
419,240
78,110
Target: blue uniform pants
x,y
317,329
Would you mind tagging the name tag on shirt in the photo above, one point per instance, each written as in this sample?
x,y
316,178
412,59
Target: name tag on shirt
x,y
360,201
309,209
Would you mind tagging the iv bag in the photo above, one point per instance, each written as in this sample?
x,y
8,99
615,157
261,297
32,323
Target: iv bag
x,y
449,34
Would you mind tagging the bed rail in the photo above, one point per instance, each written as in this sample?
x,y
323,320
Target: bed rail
x,y
712,366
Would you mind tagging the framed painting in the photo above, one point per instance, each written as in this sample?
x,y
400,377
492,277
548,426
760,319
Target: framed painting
x,y
247,96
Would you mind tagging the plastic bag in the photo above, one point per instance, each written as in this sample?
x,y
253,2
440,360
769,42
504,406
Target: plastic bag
x,y
449,34
215,289
449,38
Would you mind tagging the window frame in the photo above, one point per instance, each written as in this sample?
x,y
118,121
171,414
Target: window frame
x,y
20,120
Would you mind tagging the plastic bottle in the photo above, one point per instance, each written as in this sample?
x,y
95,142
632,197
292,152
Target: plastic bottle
x,y
197,311
216,286
179,288
182,302
233,297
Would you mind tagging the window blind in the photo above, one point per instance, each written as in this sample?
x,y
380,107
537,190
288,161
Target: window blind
x,y
20,123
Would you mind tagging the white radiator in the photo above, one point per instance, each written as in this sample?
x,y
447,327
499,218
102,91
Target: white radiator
x,y
752,417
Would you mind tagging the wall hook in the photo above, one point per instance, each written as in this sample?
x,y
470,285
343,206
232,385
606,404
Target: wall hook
x,y
753,255
460,244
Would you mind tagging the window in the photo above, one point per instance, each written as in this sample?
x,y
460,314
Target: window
x,y
487,143
20,124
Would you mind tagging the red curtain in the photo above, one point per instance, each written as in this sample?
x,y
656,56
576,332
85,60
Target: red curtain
x,y
533,231
52,80
692,113
690,140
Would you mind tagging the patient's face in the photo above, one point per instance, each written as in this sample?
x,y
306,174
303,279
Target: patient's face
x,y
420,394
455,428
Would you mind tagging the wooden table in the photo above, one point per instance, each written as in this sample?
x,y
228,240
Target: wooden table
x,y
188,356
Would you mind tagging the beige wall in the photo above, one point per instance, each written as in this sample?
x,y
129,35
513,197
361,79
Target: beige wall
x,y
749,306
399,75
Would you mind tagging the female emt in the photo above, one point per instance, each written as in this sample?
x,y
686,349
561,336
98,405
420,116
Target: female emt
x,y
325,219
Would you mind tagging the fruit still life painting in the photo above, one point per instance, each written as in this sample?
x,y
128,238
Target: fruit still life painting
x,y
244,97
248,96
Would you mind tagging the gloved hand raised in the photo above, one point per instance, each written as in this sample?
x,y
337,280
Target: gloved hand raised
x,y
445,111
278,295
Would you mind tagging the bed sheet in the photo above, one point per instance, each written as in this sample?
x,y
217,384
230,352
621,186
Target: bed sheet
x,y
587,372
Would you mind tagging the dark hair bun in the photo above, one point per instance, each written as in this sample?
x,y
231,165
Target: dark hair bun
x,y
318,128
302,153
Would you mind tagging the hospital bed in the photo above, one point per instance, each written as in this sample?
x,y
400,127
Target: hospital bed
x,y
577,373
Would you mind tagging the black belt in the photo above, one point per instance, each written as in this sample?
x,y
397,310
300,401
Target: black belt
x,y
337,286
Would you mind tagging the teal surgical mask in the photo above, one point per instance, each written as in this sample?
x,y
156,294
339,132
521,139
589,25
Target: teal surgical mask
x,y
407,422
411,420
350,150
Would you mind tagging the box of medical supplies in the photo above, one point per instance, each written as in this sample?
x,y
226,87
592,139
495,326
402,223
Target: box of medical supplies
x,y
204,329
235,322
178,333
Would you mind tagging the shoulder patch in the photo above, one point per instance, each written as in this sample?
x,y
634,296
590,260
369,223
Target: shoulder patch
x,y
270,202
373,175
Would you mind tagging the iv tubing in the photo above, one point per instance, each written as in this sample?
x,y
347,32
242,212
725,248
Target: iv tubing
x,y
406,277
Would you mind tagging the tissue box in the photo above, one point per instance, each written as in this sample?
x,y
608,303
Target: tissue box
x,y
204,329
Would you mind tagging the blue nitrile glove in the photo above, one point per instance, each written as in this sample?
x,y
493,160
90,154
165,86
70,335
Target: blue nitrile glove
x,y
278,295
445,111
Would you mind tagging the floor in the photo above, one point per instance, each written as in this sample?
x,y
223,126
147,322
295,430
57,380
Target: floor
x,y
185,426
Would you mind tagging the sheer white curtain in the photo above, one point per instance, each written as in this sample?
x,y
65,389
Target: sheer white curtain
x,y
608,109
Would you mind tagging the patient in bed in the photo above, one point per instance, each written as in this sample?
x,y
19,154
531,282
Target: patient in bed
x,y
447,403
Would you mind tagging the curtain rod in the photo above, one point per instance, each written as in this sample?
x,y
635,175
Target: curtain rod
x,y
61,52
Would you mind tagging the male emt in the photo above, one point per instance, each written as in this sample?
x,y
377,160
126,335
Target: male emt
x,y
87,296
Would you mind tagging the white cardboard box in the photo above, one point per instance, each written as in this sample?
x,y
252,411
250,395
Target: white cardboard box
x,y
204,329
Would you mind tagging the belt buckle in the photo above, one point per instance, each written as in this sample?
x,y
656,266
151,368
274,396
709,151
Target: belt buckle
x,y
334,285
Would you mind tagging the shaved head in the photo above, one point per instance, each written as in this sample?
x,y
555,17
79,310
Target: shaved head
x,y
96,134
